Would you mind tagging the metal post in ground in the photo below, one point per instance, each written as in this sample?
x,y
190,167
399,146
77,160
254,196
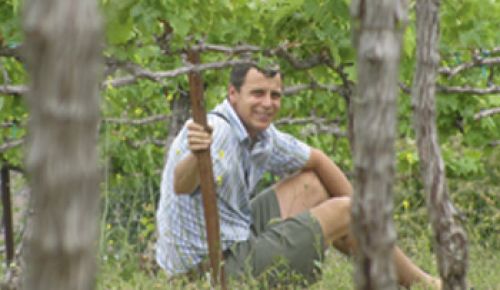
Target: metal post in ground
x,y
7,215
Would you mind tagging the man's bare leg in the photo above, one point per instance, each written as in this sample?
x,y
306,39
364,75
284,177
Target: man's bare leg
x,y
305,192
407,272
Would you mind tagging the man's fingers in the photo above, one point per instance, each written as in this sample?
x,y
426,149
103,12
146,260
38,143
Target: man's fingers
x,y
199,139
199,146
198,134
198,149
195,127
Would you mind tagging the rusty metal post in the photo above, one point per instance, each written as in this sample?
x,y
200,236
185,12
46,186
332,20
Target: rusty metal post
x,y
7,215
207,184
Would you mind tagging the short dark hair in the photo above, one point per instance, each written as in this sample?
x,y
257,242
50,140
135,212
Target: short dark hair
x,y
239,72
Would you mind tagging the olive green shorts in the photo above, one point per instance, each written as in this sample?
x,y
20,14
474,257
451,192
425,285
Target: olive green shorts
x,y
278,251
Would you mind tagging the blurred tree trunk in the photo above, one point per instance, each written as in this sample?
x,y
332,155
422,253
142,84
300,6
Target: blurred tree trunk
x,y
179,114
450,237
63,45
378,27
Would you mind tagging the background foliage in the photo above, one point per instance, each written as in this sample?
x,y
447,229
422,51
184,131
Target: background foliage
x,y
153,34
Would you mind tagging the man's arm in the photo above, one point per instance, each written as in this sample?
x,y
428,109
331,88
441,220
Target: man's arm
x,y
186,174
333,179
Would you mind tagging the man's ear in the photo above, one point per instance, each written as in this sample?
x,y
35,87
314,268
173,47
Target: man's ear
x,y
232,94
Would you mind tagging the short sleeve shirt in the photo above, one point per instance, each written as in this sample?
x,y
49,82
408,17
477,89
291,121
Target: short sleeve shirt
x,y
238,166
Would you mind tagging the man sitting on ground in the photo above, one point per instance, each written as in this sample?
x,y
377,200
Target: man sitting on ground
x,y
293,221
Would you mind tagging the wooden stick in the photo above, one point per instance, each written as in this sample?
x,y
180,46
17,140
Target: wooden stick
x,y
206,176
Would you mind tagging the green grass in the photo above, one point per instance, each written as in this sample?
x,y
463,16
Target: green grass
x,y
130,272
122,267
126,261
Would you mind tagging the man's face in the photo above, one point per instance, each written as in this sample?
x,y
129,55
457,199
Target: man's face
x,y
258,100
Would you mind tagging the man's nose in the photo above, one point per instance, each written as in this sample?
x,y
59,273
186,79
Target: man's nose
x,y
267,101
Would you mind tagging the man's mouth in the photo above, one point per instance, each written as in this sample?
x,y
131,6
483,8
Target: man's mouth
x,y
263,116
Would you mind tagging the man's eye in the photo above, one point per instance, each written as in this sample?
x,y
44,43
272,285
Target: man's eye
x,y
258,93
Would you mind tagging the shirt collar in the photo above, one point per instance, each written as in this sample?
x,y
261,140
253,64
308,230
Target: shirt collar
x,y
241,132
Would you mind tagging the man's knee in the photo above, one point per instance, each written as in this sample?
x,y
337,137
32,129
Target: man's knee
x,y
346,204
311,184
341,205
334,216
300,192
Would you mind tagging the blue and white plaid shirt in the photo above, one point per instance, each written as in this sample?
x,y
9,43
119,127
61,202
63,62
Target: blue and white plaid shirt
x,y
237,169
